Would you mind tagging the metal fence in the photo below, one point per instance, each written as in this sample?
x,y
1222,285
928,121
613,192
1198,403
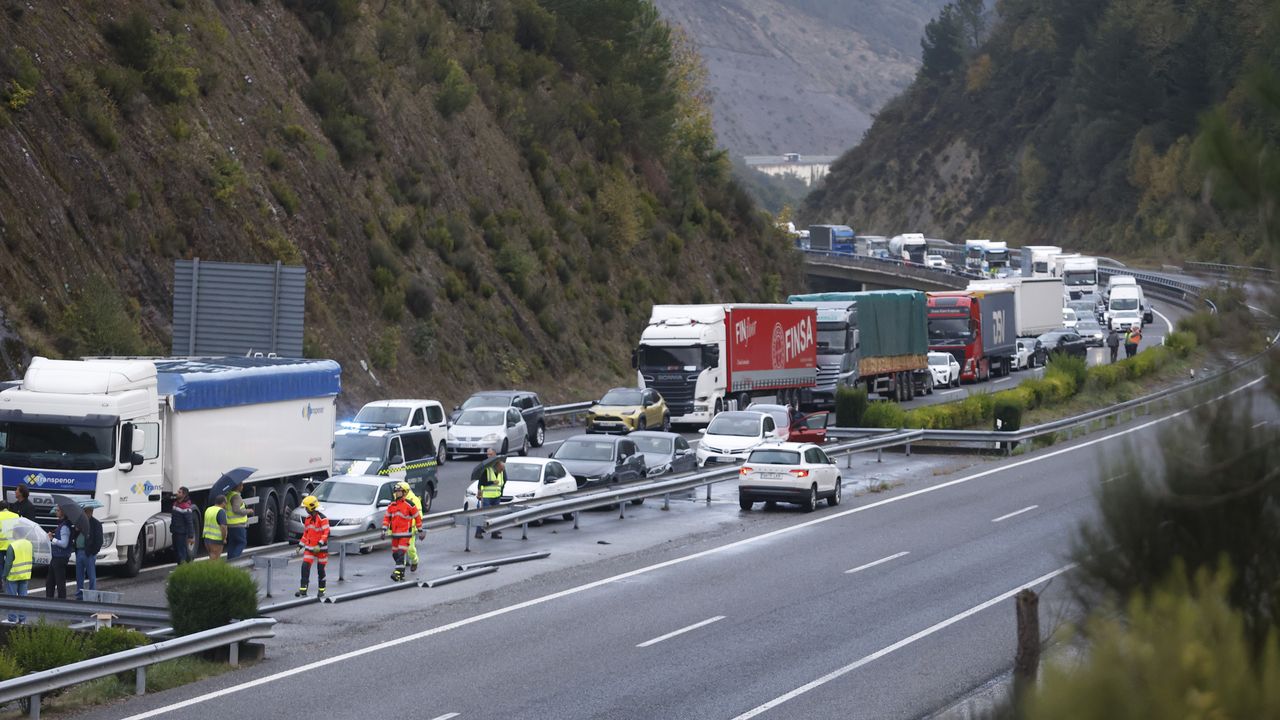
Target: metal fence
x,y
236,308
1247,271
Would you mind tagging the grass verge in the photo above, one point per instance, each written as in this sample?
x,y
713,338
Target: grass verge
x,y
161,676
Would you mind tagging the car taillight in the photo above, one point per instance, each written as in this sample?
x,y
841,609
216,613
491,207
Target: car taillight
x,y
800,473
744,470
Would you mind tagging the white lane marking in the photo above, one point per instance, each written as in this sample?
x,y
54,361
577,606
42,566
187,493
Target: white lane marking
x,y
997,382
681,631
950,392
447,716
1260,424
1029,508
1113,478
877,562
899,645
1162,317
482,617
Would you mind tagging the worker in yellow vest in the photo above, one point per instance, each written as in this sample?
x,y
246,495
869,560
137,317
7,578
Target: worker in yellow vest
x,y
7,518
18,561
415,501
237,522
215,527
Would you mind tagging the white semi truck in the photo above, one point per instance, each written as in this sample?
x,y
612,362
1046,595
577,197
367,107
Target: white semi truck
x,y
1080,275
129,432
1037,260
1038,302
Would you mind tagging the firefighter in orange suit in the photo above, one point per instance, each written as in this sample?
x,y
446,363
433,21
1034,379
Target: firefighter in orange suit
x,y
402,520
314,544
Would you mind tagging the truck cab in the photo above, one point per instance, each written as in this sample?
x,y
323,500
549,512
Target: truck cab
x,y
679,356
975,254
408,454
1037,260
389,414
1080,276
996,258
837,347
909,248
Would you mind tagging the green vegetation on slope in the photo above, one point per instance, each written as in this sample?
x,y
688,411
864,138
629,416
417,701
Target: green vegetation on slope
x,y
1076,122
483,192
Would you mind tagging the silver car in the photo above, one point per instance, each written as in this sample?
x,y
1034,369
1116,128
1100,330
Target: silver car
x,y
478,430
353,503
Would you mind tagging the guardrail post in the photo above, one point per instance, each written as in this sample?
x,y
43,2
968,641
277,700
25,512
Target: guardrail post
x,y
524,531
466,546
575,519
140,681
666,501
233,654
908,449
708,493
879,454
35,707
622,510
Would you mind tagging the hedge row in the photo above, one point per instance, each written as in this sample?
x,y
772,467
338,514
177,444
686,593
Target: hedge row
x,y
1064,377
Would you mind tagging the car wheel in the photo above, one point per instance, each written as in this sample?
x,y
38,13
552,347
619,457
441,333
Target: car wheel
x,y
745,502
426,499
539,435
643,424
835,498
524,447
929,386
811,503
442,453
568,517
666,423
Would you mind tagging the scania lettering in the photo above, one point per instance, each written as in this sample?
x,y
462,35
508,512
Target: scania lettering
x,y
128,433
707,358
877,339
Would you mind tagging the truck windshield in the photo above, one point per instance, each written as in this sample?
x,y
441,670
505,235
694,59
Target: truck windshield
x,y
974,253
998,257
57,446
944,331
831,338
383,416
1075,278
358,447
669,358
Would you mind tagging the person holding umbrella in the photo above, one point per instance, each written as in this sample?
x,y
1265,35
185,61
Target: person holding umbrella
x,y
231,484
60,540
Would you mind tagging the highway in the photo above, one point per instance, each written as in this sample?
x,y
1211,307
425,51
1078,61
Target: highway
x,y
889,606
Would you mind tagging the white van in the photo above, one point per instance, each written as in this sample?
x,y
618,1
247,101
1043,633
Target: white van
x,y
1116,281
405,414
1125,307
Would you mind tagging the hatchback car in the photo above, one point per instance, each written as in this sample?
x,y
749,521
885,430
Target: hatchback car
x,y
1091,331
664,452
626,409
781,414
598,461
354,503
945,369
1069,318
481,429
528,403
731,436
1061,341
788,472
529,479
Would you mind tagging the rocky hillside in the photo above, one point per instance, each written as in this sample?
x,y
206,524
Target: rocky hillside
x,y
802,75
1073,123
484,192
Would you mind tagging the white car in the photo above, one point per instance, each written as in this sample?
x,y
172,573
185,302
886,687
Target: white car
x,y
781,417
788,472
478,430
1069,318
1024,354
937,262
732,435
528,479
428,414
945,369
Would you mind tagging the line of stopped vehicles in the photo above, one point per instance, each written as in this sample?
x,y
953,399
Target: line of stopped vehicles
x,y
758,380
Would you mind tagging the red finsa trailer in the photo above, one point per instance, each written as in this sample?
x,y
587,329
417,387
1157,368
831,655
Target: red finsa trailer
x,y
701,357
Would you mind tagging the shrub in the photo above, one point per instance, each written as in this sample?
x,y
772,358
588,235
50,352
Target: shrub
x,y
273,158
284,195
1073,367
43,646
1007,412
883,415
851,405
385,349
419,297
108,640
1181,342
206,595
99,322
457,91
1203,324
9,668
1103,377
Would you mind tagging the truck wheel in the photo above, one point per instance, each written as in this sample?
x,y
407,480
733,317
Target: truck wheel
x,y
264,531
134,557
287,506
744,399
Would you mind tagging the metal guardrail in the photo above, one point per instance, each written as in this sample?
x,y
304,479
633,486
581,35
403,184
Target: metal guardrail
x,y
76,610
572,408
35,685
1260,273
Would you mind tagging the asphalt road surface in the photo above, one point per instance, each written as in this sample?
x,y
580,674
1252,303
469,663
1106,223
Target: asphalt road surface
x,y
889,606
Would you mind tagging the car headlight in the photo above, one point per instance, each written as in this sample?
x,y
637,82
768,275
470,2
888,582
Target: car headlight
x,y
660,469
108,539
451,437
490,437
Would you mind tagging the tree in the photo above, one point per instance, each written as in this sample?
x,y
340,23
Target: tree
x,y
942,46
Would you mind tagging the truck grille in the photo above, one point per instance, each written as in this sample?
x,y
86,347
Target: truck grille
x,y
827,375
677,393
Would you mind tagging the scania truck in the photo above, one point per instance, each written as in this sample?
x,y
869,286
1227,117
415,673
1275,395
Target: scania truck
x,y
707,358
129,432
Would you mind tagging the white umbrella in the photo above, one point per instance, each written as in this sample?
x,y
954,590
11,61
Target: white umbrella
x,y
22,528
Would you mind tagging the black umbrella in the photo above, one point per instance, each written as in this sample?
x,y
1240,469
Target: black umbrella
x,y
478,471
230,479
73,512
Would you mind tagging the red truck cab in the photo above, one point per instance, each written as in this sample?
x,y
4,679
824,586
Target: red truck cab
x,y
955,327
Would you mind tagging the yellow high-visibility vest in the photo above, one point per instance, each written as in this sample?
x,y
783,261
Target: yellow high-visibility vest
x,y
21,567
212,531
234,518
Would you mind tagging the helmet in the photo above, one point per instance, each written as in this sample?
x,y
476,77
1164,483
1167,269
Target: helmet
x,y
399,489
404,486
311,503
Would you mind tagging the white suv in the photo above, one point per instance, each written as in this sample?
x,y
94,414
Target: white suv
x,y
388,414
788,472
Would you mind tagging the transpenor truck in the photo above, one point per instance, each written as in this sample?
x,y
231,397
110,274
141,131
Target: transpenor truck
x,y
1037,260
831,238
707,358
878,339
978,327
129,432
1037,302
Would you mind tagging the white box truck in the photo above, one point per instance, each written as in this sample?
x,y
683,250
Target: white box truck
x,y
1037,302
1037,260
129,432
